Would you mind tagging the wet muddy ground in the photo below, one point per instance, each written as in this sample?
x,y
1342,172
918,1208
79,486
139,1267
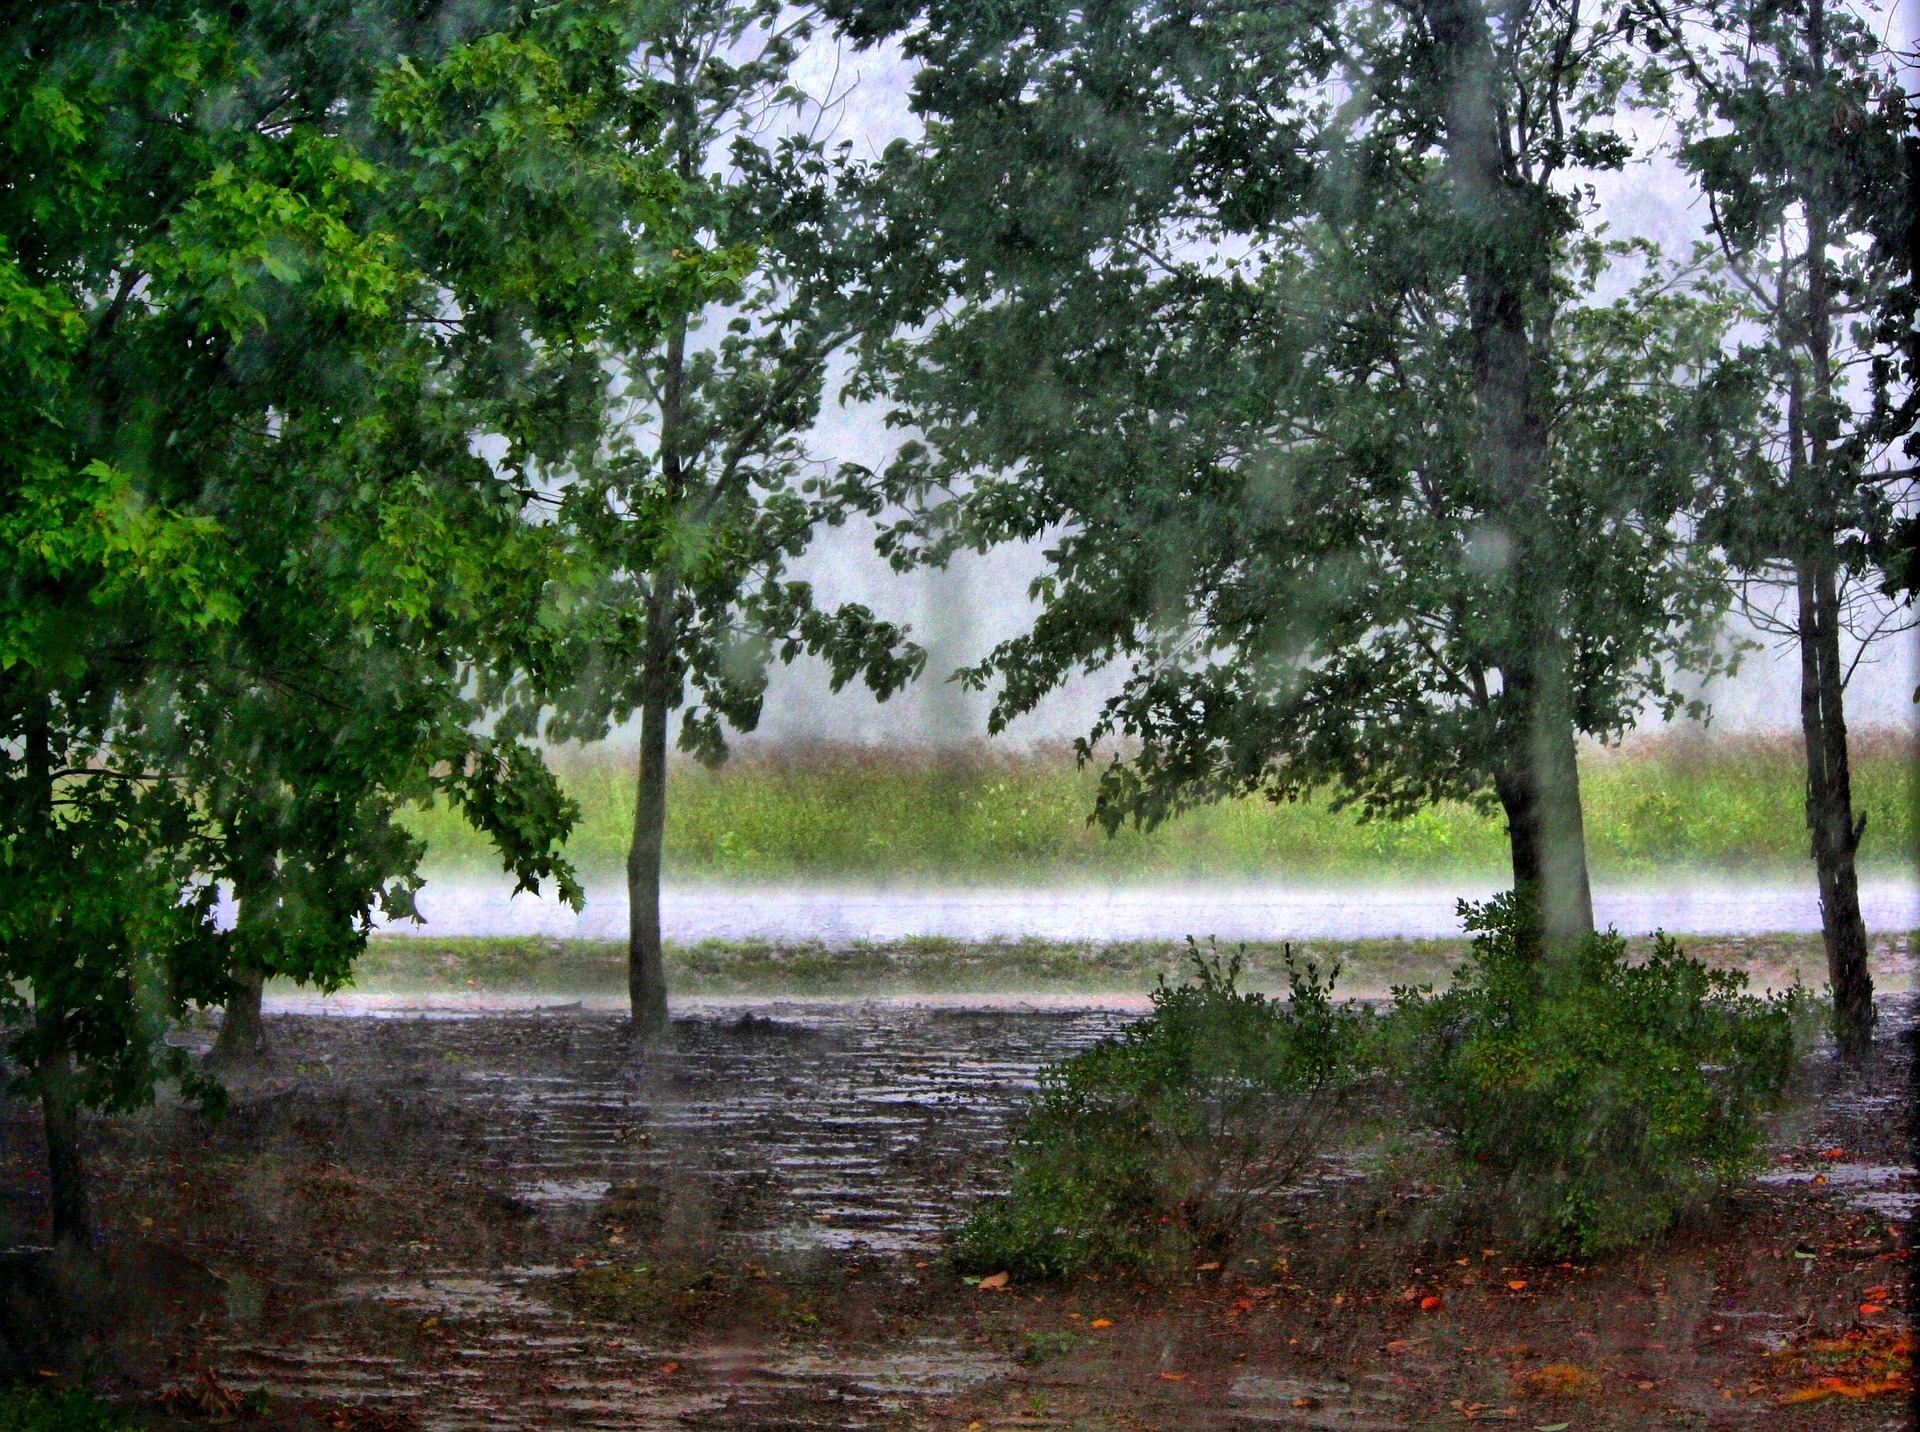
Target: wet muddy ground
x,y
510,1219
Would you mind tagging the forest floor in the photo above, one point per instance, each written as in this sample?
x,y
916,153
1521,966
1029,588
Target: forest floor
x,y
511,1219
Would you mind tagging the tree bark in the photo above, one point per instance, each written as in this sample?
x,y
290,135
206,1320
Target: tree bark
x,y
66,1174
646,959
1834,831
1546,829
1509,275
1831,824
59,1091
243,1037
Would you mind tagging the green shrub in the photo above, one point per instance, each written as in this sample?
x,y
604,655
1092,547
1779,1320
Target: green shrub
x,y
72,1409
1156,1144
1597,1098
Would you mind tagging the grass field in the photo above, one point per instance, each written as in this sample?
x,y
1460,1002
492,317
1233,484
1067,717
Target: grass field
x,y
847,813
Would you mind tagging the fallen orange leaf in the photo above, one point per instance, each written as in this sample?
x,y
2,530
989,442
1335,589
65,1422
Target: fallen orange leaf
x,y
1101,1323
667,1367
1831,1154
1173,1377
1868,1310
1558,1379
1844,1387
993,1280
1516,1283
1432,1300
1876,1294
1208,1267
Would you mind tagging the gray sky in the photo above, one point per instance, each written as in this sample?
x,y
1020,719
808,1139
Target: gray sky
x,y
960,613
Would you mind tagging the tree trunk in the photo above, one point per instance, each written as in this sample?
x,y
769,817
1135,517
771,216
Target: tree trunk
x,y
1508,268
59,1094
243,1037
646,960
66,1175
1566,896
1834,830
1835,834
1546,830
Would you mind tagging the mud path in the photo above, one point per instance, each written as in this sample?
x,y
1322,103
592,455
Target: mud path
x,y
487,1220
418,1206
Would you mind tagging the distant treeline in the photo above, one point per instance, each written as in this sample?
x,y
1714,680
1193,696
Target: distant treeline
x,y
980,814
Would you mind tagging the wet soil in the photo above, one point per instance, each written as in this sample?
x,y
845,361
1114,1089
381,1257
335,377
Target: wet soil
x,y
515,1220
596,970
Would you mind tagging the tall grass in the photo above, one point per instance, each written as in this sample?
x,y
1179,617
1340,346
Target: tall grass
x,y
864,814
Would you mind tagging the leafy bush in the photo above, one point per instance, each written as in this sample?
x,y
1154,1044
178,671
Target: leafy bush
x,y
1156,1144
1598,1097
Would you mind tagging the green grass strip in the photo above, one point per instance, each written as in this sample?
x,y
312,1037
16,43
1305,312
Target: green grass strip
x,y
842,813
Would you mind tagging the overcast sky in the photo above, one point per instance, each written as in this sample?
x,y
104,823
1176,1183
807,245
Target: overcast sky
x,y
960,613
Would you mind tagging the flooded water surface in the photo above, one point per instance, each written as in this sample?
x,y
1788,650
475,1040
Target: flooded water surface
x,y
433,1216
786,1132
842,916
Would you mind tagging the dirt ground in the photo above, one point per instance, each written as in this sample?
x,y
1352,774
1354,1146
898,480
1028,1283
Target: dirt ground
x,y
511,1220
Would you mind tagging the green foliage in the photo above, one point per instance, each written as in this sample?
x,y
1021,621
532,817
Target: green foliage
x,y
1594,1098
1160,1142
685,524
69,1409
272,421
1333,445
1802,138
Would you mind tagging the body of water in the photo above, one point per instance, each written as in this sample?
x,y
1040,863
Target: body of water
x,y
846,915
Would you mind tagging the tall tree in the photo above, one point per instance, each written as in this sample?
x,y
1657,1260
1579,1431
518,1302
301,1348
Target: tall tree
x,y
693,515
1277,322
261,585
1798,148
512,177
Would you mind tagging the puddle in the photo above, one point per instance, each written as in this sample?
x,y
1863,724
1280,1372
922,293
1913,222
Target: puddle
x,y
810,1126
1766,1339
572,1190
927,1367
1324,1406
1885,1189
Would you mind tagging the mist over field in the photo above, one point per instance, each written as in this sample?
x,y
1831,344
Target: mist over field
x,y
960,613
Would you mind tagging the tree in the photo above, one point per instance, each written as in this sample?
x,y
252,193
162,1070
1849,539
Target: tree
x,y
514,178
692,515
261,585
1798,148
1279,323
